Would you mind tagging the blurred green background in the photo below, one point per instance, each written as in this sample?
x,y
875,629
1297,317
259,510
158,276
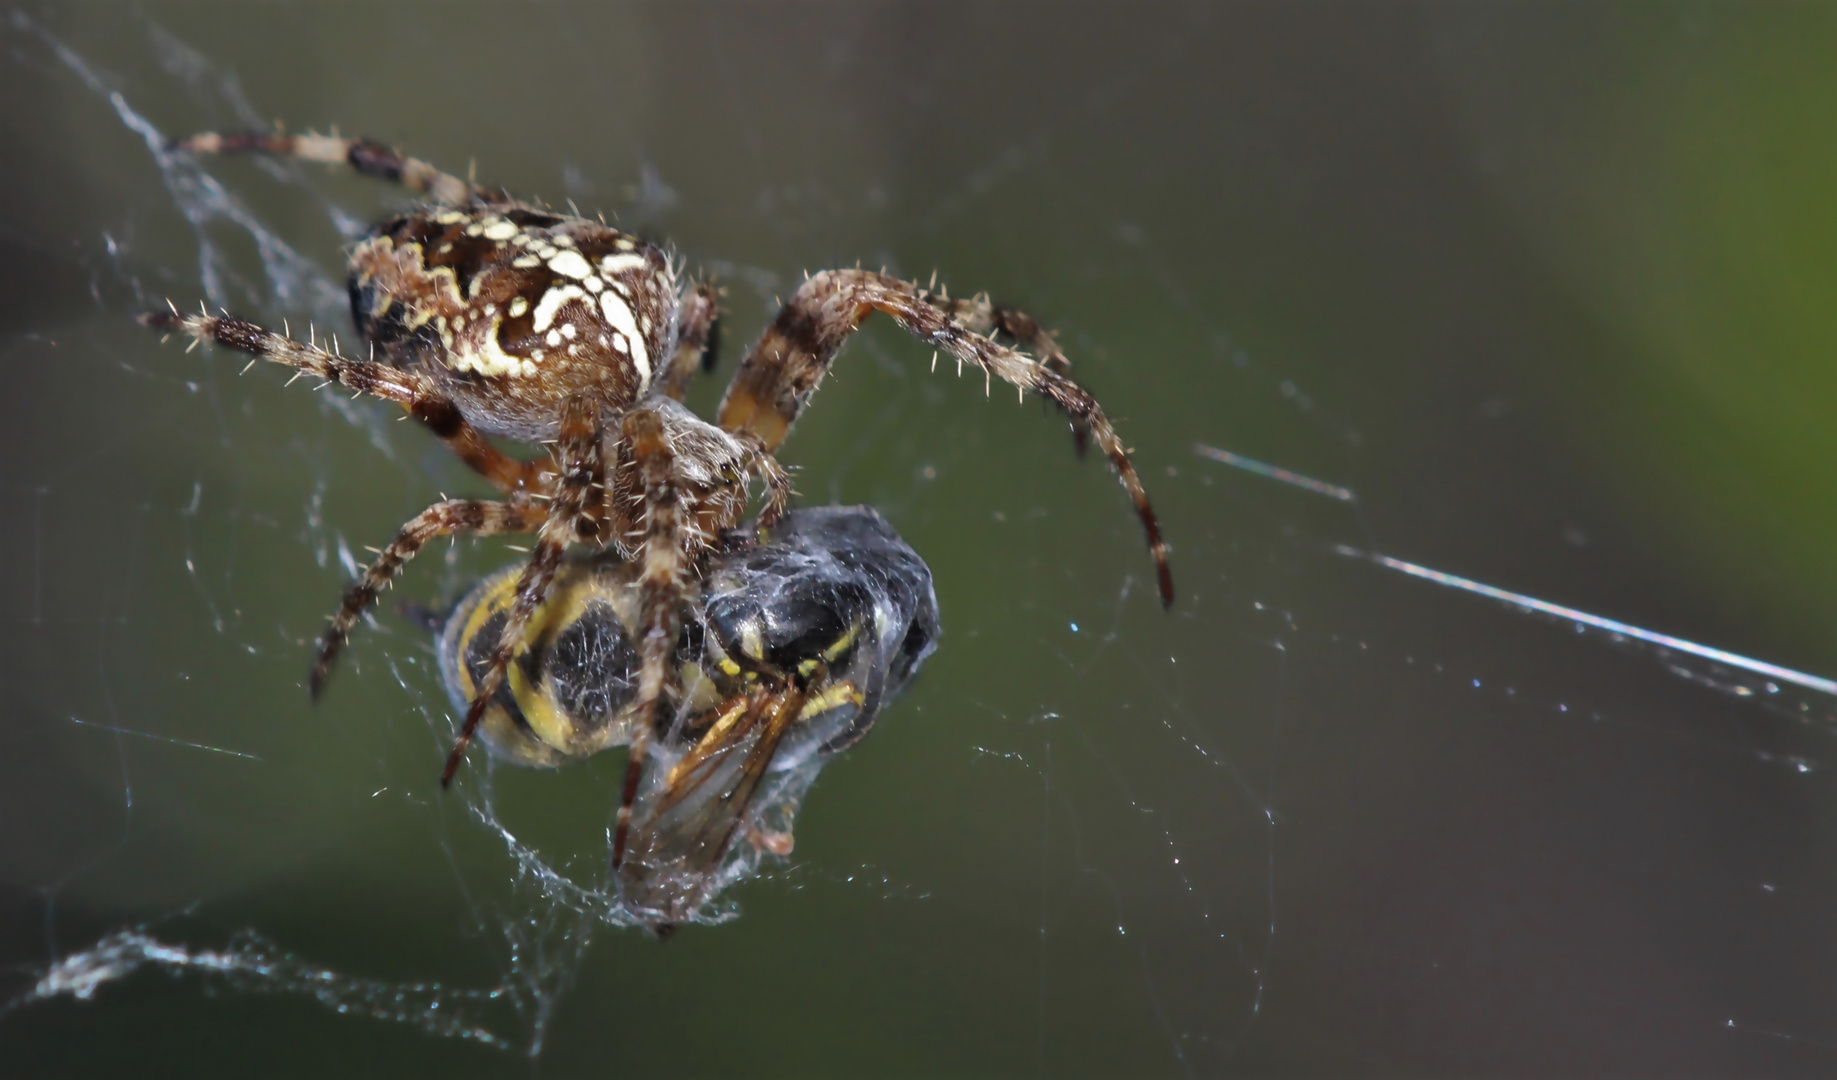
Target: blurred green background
x,y
1547,286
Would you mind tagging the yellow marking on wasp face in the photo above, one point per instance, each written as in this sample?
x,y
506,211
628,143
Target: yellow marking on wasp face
x,y
843,643
751,643
728,667
832,697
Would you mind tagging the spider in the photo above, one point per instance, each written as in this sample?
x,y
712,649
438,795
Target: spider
x,y
488,316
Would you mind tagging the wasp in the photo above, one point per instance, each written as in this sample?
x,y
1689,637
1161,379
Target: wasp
x,y
799,636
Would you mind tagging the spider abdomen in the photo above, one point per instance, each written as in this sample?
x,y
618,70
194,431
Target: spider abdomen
x,y
513,309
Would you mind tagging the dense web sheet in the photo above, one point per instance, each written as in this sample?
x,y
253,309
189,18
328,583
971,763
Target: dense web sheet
x,y
1147,791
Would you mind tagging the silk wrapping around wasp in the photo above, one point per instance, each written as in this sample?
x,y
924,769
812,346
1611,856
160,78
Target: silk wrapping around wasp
x,y
797,641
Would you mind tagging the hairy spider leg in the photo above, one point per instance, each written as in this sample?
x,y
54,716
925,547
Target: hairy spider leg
x,y
367,157
775,478
783,368
979,315
663,580
453,516
569,518
418,395
409,389
507,474
698,321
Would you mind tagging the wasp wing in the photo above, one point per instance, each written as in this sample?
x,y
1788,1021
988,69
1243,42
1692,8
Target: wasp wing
x,y
676,859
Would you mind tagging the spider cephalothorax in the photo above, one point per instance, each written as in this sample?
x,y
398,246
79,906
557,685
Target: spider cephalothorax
x,y
488,316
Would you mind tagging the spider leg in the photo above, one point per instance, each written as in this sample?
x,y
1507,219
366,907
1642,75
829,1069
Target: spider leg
x,y
441,519
409,389
367,157
981,316
567,518
784,367
698,336
663,580
775,477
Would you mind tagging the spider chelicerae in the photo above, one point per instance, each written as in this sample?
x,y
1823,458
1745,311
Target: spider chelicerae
x,y
488,316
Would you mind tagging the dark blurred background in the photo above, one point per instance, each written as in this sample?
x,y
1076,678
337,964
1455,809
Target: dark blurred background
x,y
1547,286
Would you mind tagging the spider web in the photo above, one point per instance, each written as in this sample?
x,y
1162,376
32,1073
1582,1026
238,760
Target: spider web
x,y
1092,838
